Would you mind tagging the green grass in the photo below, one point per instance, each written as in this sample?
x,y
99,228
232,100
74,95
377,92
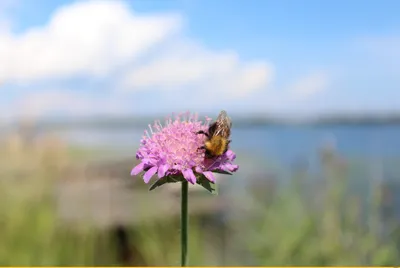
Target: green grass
x,y
294,226
293,232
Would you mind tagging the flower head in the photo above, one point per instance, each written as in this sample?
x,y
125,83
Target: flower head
x,y
173,150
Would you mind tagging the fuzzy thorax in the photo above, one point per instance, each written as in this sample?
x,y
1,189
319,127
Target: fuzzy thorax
x,y
216,146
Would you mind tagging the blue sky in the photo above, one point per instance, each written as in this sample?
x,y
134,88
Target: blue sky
x,y
296,58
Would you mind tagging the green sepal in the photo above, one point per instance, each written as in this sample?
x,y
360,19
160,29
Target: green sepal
x,y
162,181
222,172
206,184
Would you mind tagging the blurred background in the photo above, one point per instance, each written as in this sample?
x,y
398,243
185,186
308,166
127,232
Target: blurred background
x,y
312,88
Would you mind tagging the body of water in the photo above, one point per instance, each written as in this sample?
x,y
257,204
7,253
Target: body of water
x,y
284,143
377,148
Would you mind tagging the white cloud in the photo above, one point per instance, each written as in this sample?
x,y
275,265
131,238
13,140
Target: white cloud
x,y
185,65
309,85
134,52
37,104
98,37
84,38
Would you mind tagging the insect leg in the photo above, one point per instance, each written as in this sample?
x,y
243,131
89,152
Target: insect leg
x,y
202,132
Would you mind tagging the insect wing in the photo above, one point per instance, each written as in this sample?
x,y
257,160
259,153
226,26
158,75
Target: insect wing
x,y
224,125
212,129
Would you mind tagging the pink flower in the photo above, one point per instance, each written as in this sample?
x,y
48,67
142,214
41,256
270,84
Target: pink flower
x,y
172,151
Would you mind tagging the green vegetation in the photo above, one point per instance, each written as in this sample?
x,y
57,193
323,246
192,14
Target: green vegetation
x,y
298,224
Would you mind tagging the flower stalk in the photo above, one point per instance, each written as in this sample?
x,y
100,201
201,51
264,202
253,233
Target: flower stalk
x,y
184,223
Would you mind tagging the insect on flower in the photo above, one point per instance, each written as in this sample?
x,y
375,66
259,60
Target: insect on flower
x,y
218,136
172,150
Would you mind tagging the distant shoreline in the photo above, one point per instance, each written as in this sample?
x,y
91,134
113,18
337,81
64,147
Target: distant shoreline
x,y
143,122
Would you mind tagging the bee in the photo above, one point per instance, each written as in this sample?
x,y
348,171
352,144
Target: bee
x,y
218,135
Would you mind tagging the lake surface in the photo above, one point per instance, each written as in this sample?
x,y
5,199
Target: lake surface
x,y
281,142
259,148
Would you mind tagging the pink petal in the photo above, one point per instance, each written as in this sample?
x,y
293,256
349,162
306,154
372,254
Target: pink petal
x,y
161,170
230,167
136,170
189,176
230,155
209,175
198,169
150,173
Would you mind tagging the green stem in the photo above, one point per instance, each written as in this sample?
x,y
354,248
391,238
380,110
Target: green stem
x,y
184,223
